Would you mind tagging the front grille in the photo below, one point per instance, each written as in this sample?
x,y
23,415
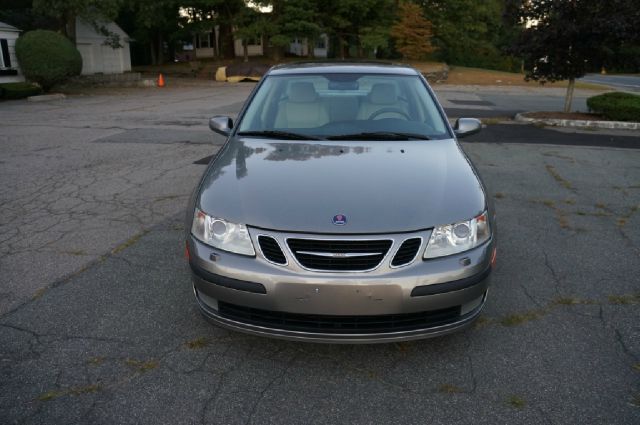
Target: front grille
x,y
271,250
316,323
339,255
407,252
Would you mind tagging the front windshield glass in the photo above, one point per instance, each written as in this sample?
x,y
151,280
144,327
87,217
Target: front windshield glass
x,y
335,105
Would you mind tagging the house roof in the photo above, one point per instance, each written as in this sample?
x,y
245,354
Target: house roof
x,y
7,27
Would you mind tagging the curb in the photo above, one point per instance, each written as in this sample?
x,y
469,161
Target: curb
x,y
46,97
618,125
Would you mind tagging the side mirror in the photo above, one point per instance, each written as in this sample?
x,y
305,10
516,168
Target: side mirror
x,y
466,127
221,124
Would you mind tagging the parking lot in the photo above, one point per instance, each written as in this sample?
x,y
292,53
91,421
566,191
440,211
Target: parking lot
x,y
98,323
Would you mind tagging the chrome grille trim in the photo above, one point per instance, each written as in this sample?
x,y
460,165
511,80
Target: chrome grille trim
x,y
340,254
345,239
294,266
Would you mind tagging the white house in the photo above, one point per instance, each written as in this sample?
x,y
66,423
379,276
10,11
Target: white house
x,y
204,46
9,69
98,57
300,46
254,47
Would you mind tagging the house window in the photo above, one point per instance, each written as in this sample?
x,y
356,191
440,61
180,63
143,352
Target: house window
x,y
254,41
5,59
204,40
320,44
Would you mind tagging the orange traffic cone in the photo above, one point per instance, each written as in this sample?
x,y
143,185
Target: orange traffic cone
x,y
160,80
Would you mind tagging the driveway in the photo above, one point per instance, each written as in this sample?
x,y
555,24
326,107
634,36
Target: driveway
x,y
98,323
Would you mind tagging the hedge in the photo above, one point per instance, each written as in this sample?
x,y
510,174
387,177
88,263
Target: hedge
x,y
18,90
616,106
47,58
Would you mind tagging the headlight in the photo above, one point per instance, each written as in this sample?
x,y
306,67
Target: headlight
x,y
221,234
458,237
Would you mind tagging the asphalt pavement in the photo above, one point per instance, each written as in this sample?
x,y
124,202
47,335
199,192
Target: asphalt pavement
x,y
621,82
501,101
98,323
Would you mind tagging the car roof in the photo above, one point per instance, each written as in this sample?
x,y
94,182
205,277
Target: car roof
x,y
342,68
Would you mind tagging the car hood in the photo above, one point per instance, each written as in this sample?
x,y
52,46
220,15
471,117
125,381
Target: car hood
x,y
380,186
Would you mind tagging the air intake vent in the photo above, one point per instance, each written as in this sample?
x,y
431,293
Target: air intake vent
x,y
271,250
407,252
315,323
339,255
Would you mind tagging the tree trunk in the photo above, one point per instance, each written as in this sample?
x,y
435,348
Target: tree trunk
x,y
277,53
569,96
245,49
227,48
214,43
160,48
341,46
70,27
152,49
311,47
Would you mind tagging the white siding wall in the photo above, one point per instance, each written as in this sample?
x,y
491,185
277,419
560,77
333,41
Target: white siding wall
x,y
98,57
252,49
204,52
11,37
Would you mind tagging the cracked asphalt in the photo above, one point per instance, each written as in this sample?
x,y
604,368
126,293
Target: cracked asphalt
x,y
98,323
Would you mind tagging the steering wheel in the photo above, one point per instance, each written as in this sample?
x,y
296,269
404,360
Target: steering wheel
x,y
390,110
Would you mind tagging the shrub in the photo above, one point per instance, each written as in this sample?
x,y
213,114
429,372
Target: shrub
x,y
18,90
616,106
47,58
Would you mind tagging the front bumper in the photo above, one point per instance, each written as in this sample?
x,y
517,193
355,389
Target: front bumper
x,y
224,281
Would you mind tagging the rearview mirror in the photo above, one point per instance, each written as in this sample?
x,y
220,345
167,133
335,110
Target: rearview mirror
x,y
221,124
466,127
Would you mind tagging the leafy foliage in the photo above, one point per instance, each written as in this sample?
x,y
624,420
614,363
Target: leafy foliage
x,y
289,20
412,32
47,58
95,12
205,15
488,34
151,23
20,14
363,24
565,39
616,106
469,32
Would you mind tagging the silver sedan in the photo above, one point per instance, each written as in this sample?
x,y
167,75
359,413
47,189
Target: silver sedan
x,y
341,209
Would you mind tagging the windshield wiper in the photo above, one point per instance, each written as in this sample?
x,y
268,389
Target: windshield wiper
x,y
279,135
379,135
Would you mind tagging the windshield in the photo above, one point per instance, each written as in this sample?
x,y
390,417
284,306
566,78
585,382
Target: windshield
x,y
343,105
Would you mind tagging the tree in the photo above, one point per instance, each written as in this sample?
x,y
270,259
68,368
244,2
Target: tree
x,y
20,14
563,39
363,24
93,11
152,23
47,58
205,15
288,20
299,19
250,24
467,32
412,32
